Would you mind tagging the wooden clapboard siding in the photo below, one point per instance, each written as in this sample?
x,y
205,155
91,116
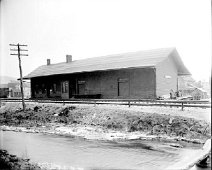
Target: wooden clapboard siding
x,y
164,83
136,83
140,83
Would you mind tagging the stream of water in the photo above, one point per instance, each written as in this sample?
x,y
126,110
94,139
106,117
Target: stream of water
x,y
90,154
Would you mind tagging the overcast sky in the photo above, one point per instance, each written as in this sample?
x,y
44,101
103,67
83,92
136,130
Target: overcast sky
x,y
91,28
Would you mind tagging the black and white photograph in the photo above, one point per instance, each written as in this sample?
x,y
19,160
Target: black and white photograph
x,y
105,84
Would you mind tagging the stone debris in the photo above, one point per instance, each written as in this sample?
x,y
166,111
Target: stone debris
x,y
51,166
12,162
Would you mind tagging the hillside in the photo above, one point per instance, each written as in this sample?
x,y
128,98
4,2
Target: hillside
x,y
6,79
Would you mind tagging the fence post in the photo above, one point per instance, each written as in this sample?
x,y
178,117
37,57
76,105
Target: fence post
x,y
129,103
182,106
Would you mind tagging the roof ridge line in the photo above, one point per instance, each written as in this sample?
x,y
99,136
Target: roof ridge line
x,y
117,54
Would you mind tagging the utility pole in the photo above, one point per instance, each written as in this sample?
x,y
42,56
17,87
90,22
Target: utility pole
x,y
18,49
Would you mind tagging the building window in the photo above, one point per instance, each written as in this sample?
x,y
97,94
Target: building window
x,y
65,87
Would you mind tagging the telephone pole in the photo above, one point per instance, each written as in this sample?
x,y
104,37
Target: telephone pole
x,y
19,50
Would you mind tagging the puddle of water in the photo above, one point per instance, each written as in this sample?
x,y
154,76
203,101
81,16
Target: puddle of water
x,y
88,154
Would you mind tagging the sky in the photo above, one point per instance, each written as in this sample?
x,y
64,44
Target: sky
x,y
91,28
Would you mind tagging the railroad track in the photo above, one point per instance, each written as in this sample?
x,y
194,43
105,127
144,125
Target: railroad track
x,y
130,102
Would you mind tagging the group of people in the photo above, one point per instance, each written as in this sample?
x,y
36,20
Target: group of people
x,y
174,95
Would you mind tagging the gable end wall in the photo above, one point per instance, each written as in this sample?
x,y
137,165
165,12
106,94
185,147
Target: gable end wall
x,y
166,77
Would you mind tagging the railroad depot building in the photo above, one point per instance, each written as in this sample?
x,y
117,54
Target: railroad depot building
x,y
136,75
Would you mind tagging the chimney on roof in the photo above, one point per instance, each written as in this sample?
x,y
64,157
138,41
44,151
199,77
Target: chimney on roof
x,y
48,62
68,58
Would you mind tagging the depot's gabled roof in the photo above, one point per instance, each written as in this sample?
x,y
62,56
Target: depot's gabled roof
x,y
148,58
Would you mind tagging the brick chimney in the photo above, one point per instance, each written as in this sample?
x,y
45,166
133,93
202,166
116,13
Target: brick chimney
x,y
68,58
48,62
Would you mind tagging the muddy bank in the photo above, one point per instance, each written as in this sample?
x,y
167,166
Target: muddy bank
x,y
104,123
11,162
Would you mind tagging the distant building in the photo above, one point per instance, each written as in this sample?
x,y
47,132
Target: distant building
x,y
143,74
12,89
199,93
15,90
206,85
4,91
195,92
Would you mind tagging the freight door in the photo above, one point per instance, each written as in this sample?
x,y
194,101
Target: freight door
x,y
81,87
123,88
65,90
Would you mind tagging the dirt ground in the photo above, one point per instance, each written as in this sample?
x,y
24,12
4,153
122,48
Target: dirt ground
x,y
192,123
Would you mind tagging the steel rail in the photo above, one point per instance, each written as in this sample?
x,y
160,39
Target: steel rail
x,y
129,102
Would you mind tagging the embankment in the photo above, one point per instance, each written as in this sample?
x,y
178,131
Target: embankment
x,y
104,123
